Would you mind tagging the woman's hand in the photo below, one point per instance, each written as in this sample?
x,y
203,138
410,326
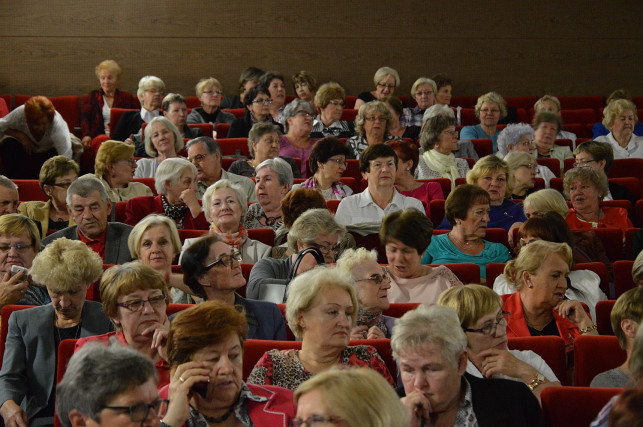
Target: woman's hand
x,y
364,332
86,141
13,415
495,361
419,407
189,198
184,378
130,141
12,289
573,311
159,334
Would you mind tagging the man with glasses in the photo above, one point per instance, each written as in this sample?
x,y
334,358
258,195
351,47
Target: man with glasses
x,y
205,154
109,386
90,207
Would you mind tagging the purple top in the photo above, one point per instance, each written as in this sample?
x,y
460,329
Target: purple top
x,y
289,150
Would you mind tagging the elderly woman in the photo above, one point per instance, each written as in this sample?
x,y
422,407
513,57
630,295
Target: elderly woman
x,y
19,244
444,86
620,117
551,104
439,140
408,157
406,235
109,385
212,270
431,349
263,143
599,128
210,93
315,228
372,283
467,211
330,101
276,84
31,134
373,125
225,207
386,79
398,130
600,156
274,179
350,398
520,137
162,141
586,188
124,290
56,175
327,163
539,274
298,123
546,127
115,167
95,114
257,102
150,93
522,172
423,92
67,268
490,109
321,311
583,285
205,349
625,317
483,320
305,86
176,198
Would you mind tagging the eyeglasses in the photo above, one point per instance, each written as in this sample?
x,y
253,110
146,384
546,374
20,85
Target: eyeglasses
x,y
452,132
375,118
137,305
61,184
130,162
198,158
305,114
226,259
139,412
325,250
340,162
155,91
382,85
491,328
337,103
262,101
530,167
527,143
524,242
376,278
315,421
422,93
213,92
583,163
20,247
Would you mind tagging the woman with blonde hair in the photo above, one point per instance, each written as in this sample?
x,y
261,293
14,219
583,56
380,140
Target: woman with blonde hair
x,y
210,93
330,101
353,397
423,92
522,174
620,117
115,167
386,80
490,109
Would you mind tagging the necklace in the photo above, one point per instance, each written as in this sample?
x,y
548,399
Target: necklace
x,y
58,329
465,243
270,221
220,419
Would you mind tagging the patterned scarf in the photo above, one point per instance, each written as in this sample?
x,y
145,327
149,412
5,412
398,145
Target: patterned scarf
x,y
338,191
177,213
368,319
233,239
445,164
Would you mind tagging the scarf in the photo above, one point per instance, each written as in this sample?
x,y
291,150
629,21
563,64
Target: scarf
x,y
368,319
445,164
233,239
338,191
177,213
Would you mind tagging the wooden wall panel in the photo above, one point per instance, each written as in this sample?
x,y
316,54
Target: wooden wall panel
x,y
516,48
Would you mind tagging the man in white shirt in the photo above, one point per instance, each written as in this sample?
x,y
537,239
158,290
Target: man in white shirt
x,y
378,164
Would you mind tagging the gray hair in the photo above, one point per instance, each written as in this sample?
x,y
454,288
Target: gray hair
x,y
96,375
6,182
353,257
386,71
437,110
512,134
171,170
152,220
423,81
84,186
281,168
171,98
178,139
148,82
221,184
292,108
210,144
312,224
437,325
257,131
515,159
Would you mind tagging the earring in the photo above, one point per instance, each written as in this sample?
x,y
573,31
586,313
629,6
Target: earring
x,y
530,286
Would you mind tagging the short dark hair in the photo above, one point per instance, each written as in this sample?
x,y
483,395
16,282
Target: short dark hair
x,y
547,117
406,151
409,226
269,76
433,127
252,93
250,74
551,227
192,262
461,199
442,80
374,152
323,150
298,201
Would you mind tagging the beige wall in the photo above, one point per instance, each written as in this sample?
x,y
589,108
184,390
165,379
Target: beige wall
x,y
517,48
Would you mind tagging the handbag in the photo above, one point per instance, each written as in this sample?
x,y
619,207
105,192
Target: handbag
x,y
277,292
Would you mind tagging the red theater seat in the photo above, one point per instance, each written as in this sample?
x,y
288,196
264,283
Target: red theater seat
x,y
603,312
550,348
594,354
574,406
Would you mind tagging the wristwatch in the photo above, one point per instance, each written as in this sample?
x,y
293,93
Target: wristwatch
x,y
538,380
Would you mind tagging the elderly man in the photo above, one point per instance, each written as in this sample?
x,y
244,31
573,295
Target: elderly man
x,y
205,154
431,350
378,164
89,206
8,196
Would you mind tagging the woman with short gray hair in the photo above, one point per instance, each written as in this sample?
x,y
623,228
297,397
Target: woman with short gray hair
x,y
298,123
423,92
372,126
150,93
489,109
386,80
274,180
163,141
176,188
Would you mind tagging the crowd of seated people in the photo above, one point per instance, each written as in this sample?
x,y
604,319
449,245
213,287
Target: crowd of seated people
x,y
164,223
